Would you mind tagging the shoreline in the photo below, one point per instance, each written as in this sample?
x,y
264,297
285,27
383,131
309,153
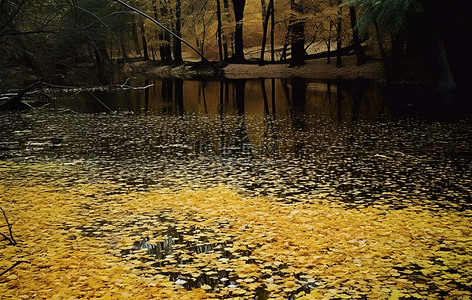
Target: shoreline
x,y
312,69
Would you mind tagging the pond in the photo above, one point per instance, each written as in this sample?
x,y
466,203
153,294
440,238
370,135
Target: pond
x,y
354,140
356,144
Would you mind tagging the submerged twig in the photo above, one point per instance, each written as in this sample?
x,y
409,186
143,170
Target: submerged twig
x,y
10,239
14,265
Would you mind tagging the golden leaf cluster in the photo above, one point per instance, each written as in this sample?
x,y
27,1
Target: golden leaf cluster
x,y
84,242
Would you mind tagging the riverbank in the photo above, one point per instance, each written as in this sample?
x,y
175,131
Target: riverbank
x,y
314,68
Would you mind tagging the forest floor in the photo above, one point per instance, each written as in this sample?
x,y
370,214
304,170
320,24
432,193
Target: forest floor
x,y
314,68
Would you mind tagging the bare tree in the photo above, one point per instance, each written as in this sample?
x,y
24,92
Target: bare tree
x,y
238,6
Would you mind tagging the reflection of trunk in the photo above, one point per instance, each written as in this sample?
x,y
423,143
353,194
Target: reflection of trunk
x,y
222,88
298,111
299,101
166,94
359,91
339,102
146,96
284,83
222,146
297,24
204,97
264,97
270,147
179,95
239,86
360,54
238,6
328,92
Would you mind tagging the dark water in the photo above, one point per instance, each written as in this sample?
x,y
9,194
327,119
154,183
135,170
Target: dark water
x,y
356,141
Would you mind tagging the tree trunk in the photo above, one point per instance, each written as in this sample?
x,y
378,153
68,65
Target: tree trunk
x,y
103,65
219,34
360,54
123,50
265,23
144,41
160,35
436,11
264,14
283,56
135,37
238,6
166,46
225,38
446,79
177,43
381,47
272,31
164,37
297,33
398,44
328,43
339,45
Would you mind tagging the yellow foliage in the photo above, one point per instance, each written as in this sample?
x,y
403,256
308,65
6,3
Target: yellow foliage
x,y
73,243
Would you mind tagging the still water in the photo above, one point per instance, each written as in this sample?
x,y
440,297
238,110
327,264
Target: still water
x,y
357,142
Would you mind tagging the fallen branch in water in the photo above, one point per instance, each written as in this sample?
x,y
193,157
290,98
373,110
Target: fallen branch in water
x,y
14,265
11,241
98,88
9,238
126,86
15,103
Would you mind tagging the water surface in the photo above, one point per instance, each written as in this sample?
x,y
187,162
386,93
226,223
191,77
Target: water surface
x,y
355,141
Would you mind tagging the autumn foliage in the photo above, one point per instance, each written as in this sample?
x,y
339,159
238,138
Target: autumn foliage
x,y
84,241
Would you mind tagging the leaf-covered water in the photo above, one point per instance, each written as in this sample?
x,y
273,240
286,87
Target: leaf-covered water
x,y
396,161
318,200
